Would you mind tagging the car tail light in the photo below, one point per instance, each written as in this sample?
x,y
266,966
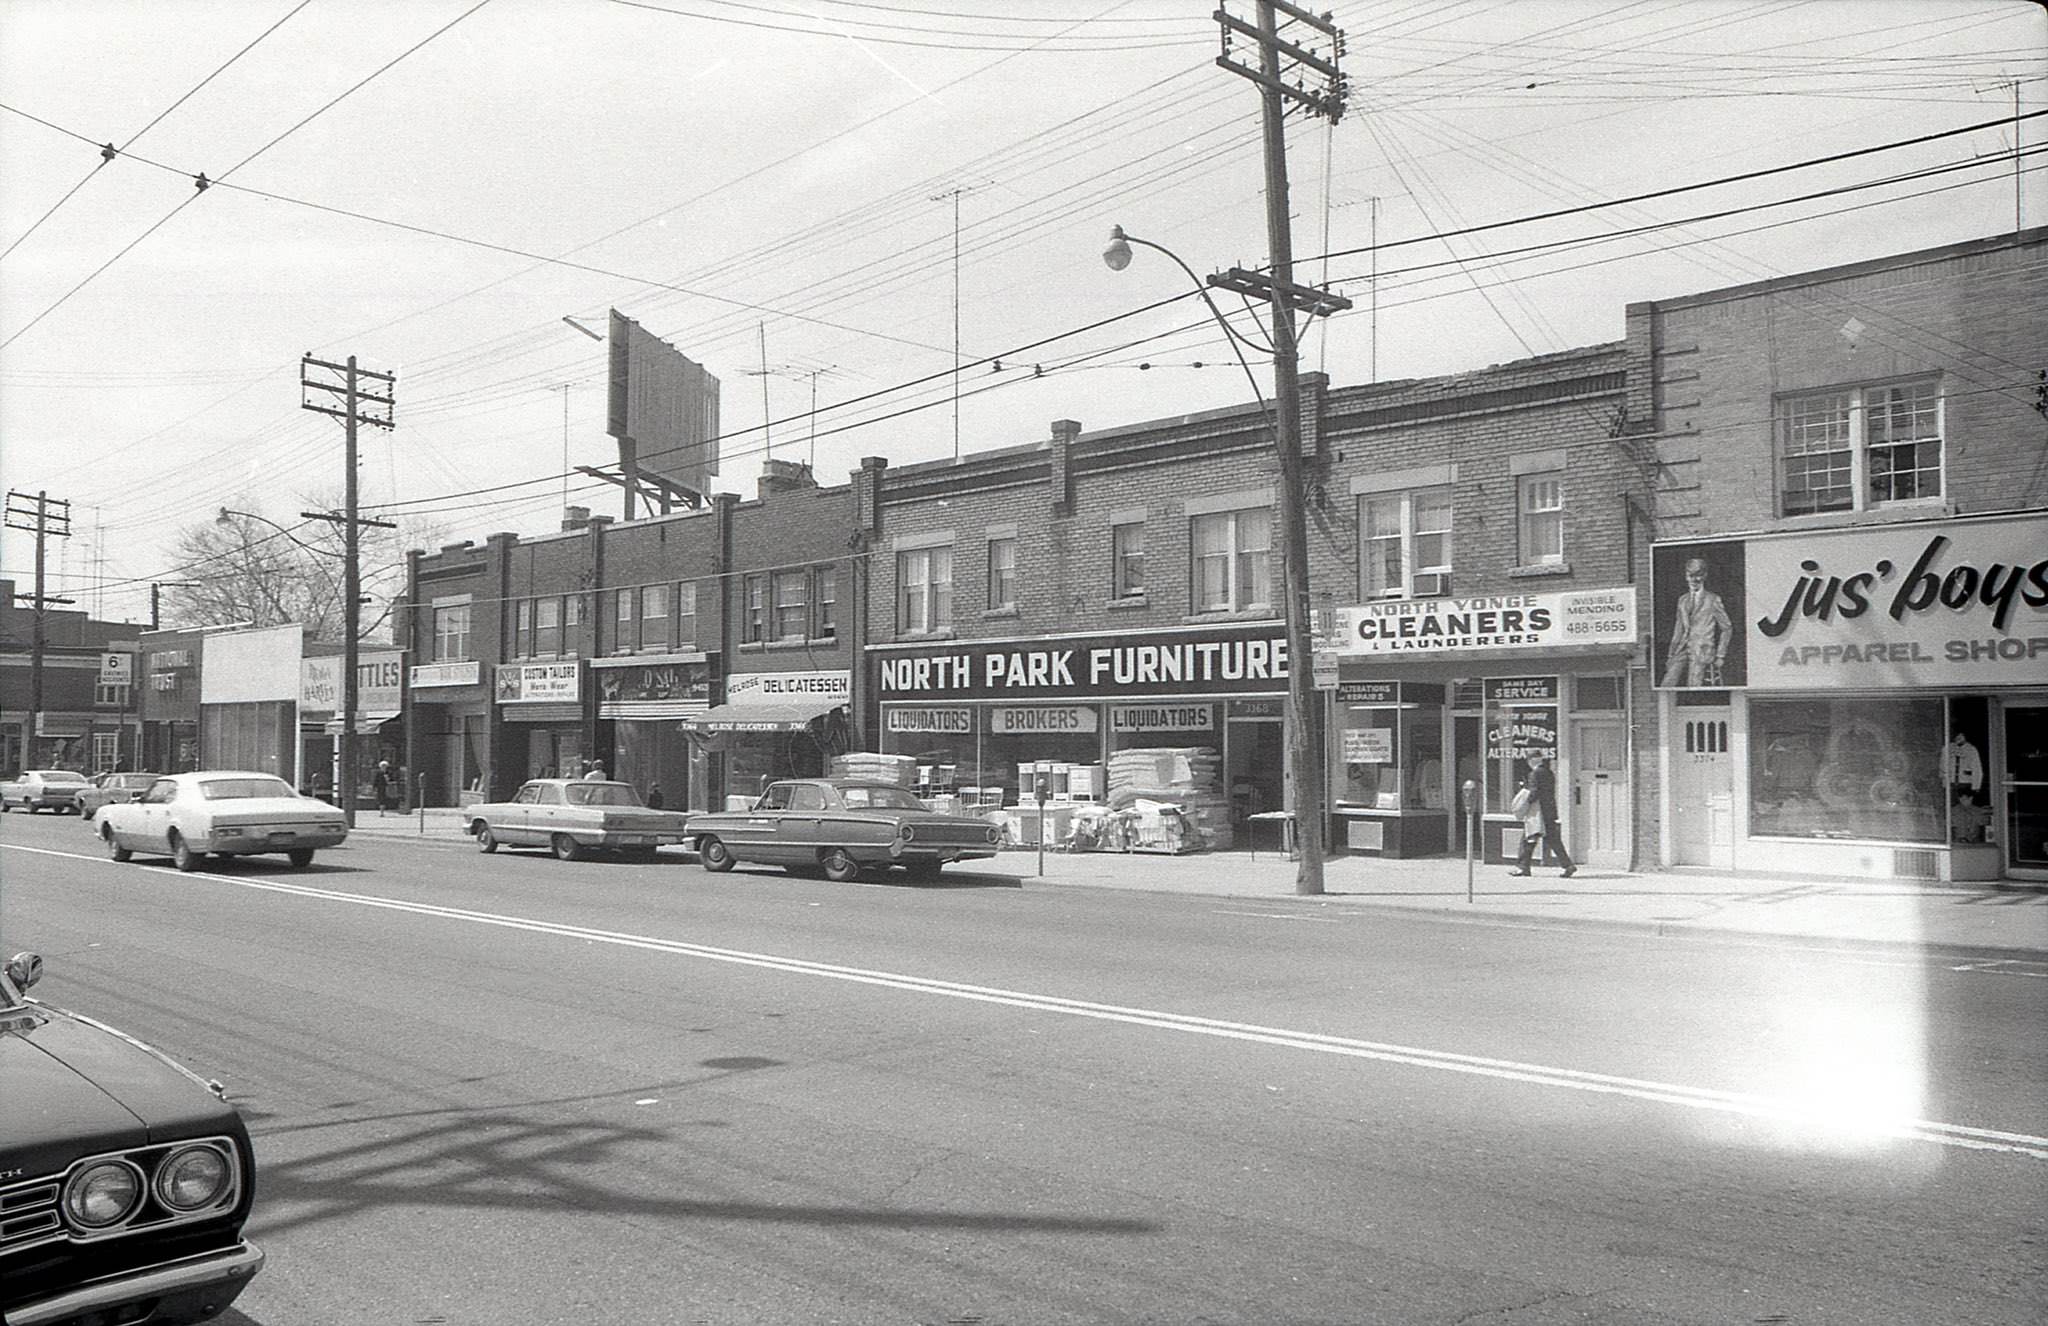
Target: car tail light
x,y
102,1194
907,833
995,835
193,1179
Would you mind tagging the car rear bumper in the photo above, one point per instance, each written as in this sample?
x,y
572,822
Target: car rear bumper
x,y
190,1289
267,842
613,841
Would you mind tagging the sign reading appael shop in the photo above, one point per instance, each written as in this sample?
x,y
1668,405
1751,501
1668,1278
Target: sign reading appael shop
x,y
1247,660
1938,603
521,683
1492,621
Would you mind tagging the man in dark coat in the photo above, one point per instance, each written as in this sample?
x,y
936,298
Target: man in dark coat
x,y
1543,786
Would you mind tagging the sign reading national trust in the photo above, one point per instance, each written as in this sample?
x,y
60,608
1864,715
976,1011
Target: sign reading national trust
x,y
1940,603
1471,625
1246,660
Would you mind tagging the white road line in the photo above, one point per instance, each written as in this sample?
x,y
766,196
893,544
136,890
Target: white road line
x,y
1570,1079
1274,916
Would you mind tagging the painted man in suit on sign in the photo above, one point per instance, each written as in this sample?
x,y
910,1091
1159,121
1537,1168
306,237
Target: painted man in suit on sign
x,y
1701,634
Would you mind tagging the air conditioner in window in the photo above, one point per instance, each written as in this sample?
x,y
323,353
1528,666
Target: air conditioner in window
x,y
1429,584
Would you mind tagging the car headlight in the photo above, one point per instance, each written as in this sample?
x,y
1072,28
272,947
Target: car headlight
x,y
103,1194
193,1179
906,833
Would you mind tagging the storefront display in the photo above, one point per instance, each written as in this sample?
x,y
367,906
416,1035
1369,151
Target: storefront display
x,y
646,698
774,725
541,705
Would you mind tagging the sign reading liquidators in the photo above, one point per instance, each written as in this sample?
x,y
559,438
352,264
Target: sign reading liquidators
x,y
1937,603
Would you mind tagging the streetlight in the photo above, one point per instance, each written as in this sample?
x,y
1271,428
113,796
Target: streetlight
x,y
229,517
1303,752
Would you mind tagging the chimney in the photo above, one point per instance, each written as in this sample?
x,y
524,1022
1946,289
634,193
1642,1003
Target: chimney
x,y
1065,432
785,476
575,517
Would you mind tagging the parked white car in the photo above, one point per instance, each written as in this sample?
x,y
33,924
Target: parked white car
x,y
573,817
43,789
227,813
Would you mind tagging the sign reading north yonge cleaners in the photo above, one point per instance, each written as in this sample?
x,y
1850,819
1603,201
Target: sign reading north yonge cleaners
x,y
1490,621
1222,661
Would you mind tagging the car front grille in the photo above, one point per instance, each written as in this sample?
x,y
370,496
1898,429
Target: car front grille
x,y
31,1212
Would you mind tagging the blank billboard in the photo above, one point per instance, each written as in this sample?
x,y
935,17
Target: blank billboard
x,y
663,408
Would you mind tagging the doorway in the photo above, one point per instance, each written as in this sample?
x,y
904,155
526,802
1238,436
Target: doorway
x,y
1254,771
1600,791
2024,779
1702,789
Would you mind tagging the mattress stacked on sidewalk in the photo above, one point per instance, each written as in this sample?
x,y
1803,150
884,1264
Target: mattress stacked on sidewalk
x,y
1147,779
870,767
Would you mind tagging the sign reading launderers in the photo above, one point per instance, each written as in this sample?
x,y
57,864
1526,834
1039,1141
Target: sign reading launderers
x,y
1948,603
1490,621
1243,660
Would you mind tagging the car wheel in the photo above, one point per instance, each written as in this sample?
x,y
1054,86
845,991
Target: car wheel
x,y
566,848
300,857
715,855
114,849
182,855
486,841
839,865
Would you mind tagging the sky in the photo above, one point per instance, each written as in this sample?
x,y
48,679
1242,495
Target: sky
x,y
879,225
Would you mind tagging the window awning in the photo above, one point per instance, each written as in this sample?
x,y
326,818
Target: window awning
x,y
366,722
764,716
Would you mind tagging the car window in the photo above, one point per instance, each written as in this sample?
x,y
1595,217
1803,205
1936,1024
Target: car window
x,y
807,796
879,798
244,789
604,794
134,782
61,776
775,798
161,792
527,795
548,794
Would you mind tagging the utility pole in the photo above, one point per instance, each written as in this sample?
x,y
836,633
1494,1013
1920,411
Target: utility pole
x,y
954,193
156,591
359,406
1303,747
46,519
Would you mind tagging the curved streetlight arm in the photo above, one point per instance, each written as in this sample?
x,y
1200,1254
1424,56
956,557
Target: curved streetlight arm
x,y
1118,256
227,516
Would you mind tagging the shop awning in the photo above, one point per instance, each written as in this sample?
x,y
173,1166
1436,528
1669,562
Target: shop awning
x,y
762,716
366,723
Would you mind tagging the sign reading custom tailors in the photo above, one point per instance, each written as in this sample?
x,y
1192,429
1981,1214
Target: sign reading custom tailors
x,y
1492,621
1227,661
1946,603
520,683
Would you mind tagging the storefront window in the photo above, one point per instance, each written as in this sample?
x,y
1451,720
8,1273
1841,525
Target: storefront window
x,y
1857,768
1389,755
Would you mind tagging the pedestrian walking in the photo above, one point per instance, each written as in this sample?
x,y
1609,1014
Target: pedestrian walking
x,y
380,784
654,797
596,774
1542,803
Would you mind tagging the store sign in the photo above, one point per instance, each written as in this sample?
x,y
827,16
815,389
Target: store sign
x,y
1521,690
759,687
524,683
1493,621
1162,718
948,722
1222,661
1953,603
377,682
1516,734
425,675
1327,668
654,682
1043,718
1368,745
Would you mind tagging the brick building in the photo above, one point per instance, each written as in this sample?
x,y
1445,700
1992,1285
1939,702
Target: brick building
x,y
88,720
1850,594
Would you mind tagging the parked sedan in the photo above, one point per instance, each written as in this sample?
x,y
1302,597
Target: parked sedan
x,y
43,789
109,788
125,1180
189,815
841,826
573,817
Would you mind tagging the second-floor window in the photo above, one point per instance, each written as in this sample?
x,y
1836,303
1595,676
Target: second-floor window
x,y
451,633
1859,447
686,615
924,589
547,626
1002,573
1127,560
754,610
625,620
1539,518
791,610
1404,543
114,694
827,608
1231,556
653,617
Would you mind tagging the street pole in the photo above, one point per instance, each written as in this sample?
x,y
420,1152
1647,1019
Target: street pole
x,y
1304,748
354,400
45,523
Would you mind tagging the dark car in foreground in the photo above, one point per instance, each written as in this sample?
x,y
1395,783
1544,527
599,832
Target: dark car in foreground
x,y
840,827
125,1180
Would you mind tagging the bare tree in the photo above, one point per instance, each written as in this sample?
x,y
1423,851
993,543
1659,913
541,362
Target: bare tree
x,y
243,566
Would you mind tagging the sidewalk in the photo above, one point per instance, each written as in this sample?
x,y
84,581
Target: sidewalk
x,y
1999,922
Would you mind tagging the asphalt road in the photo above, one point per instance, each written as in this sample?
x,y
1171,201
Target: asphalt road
x,y
513,1090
